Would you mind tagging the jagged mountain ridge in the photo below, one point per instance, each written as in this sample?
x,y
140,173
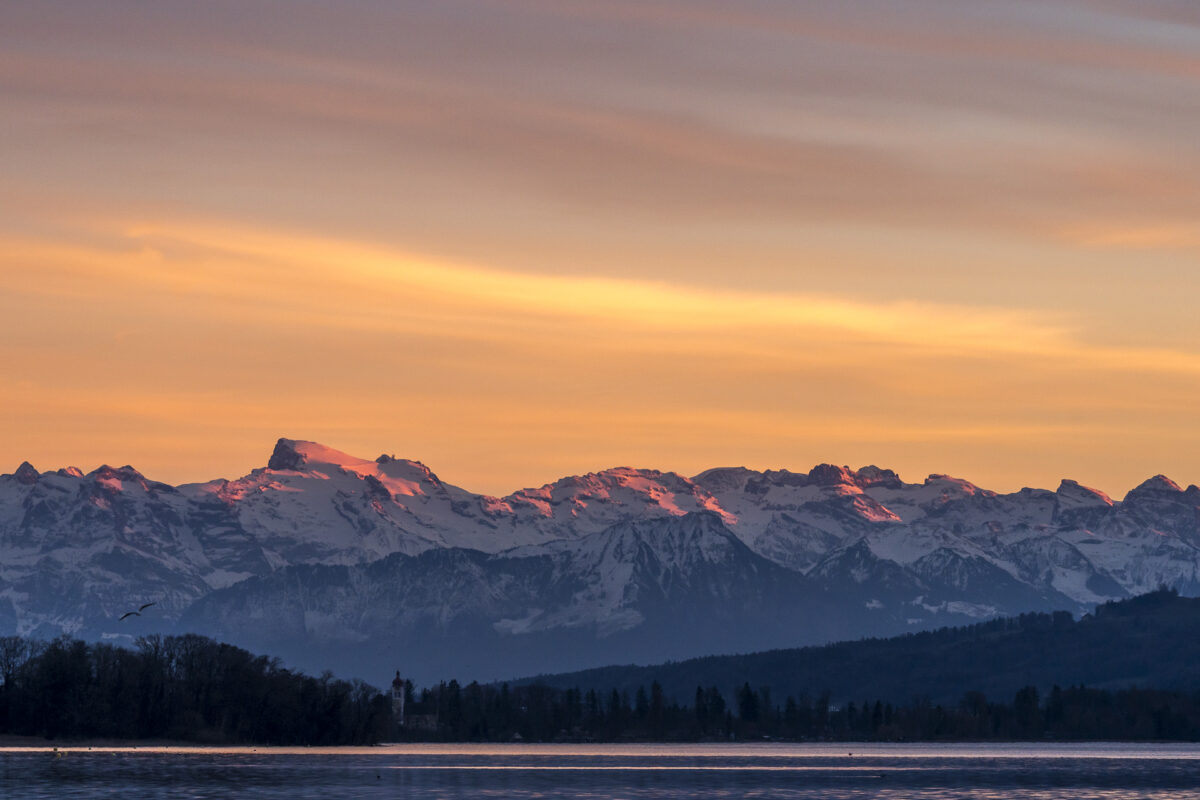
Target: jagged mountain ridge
x,y
79,549
643,591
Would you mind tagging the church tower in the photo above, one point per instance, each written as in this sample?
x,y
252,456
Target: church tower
x,y
398,699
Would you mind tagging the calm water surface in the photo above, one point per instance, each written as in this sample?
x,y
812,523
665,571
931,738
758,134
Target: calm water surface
x,y
601,772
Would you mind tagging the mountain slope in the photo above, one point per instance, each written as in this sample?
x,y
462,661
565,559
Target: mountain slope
x,y
1150,641
651,589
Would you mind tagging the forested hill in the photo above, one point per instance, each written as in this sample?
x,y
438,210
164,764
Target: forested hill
x,y
1148,641
186,688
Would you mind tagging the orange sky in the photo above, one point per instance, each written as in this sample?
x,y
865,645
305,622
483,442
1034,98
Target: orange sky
x,y
519,240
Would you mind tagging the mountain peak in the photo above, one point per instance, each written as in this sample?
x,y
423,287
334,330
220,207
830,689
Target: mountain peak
x,y
1157,484
950,480
831,475
286,456
872,475
725,478
294,454
26,474
125,473
1077,493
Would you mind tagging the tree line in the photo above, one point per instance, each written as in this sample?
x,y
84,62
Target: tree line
x,y
190,688
536,712
1151,640
186,688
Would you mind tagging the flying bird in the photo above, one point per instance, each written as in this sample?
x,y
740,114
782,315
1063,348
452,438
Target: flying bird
x,y
137,613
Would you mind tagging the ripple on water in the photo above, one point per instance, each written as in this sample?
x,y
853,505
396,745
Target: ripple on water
x,y
1050,772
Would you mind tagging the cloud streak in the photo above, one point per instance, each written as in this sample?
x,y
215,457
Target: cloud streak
x,y
253,330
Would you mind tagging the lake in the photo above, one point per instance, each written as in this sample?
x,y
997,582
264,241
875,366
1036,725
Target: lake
x,y
598,772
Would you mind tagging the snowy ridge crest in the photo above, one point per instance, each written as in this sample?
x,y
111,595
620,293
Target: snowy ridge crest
x,y
622,546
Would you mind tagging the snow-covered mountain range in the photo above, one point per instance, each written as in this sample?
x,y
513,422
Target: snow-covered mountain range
x,y
364,565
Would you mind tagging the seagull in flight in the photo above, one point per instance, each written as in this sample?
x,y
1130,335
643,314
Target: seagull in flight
x,y
137,613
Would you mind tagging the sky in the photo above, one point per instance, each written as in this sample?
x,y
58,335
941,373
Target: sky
x,y
520,240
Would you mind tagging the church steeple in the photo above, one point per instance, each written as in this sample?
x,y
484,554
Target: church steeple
x,y
398,699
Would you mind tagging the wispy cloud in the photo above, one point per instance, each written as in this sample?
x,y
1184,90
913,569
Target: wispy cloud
x,y
177,326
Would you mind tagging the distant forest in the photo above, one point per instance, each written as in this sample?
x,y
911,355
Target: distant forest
x,y
186,688
190,688
1150,641
997,680
536,712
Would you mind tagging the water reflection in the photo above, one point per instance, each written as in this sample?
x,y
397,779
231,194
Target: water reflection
x,y
624,771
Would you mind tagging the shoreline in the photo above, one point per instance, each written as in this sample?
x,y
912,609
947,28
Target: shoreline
x,y
756,749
